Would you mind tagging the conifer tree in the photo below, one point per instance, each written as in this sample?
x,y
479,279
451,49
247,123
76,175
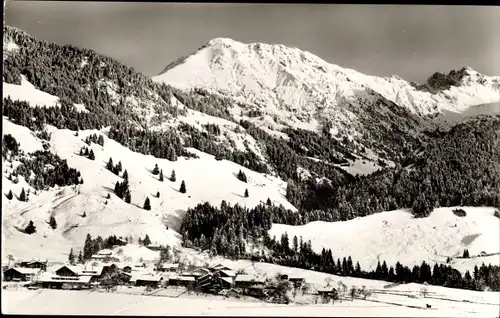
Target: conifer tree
x,y
84,215
71,257
52,222
158,194
91,155
109,165
156,170
108,196
146,240
241,176
183,187
10,195
147,204
86,153
246,193
172,176
87,248
80,258
125,175
268,202
128,197
119,166
30,229
161,176
22,196
81,152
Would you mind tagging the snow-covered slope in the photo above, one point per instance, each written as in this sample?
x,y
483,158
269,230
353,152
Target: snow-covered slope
x,y
397,236
304,90
206,180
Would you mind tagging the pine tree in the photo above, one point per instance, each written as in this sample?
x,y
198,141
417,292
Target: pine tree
x,y
117,188
241,176
156,170
146,240
246,193
128,197
466,254
30,229
109,165
91,155
171,154
158,194
108,196
125,175
119,166
53,223
71,257
22,196
268,201
81,152
147,204
172,176
100,140
84,215
183,187
87,248
10,195
80,258
86,153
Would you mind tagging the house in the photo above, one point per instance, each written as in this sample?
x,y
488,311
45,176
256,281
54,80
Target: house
x,y
168,268
181,281
34,264
127,269
68,271
244,281
20,274
63,282
296,281
328,293
148,280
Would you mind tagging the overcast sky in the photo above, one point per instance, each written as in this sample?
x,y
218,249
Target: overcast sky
x,y
410,41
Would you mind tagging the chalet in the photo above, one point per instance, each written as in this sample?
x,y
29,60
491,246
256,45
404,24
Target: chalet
x,y
328,293
259,291
181,281
244,281
172,268
64,282
127,269
284,276
296,281
68,271
95,272
148,280
20,274
34,264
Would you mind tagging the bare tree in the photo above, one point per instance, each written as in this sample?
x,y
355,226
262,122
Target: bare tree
x,y
353,292
365,292
328,281
424,291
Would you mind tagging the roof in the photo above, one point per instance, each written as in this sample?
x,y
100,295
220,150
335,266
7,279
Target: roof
x,y
228,280
25,271
105,252
148,278
182,278
326,289
169,265
63,279
75,269
249,278
92,271
229,273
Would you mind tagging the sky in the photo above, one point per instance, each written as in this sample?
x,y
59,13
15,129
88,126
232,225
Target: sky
x,y
383,40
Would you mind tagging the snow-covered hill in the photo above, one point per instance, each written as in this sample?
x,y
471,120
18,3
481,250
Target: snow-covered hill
x,y
397,236
206,180
297,88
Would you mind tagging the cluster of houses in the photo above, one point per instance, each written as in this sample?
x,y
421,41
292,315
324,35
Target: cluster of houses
x,y
212,279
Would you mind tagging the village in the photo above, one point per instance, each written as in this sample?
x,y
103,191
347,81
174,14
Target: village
x,y
105,272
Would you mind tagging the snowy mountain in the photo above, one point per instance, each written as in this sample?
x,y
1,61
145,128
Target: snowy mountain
x,y
293,87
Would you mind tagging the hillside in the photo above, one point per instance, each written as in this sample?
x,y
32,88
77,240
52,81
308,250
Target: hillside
x,y
206,180
396,236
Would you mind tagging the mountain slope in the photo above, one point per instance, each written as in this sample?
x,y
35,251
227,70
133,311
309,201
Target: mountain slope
x,y
206,180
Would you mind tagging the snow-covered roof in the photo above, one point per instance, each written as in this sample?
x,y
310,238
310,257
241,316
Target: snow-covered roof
x,y
149,278
169,265
229,273
92,271
228,280
326,289
249,278
64,279
182,278
26,271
